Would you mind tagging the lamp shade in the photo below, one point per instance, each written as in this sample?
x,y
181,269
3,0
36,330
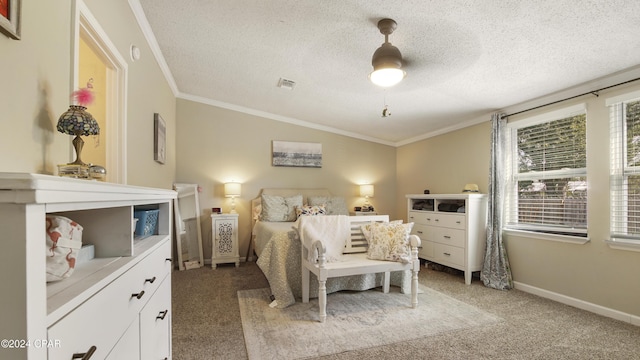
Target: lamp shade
x,y
77,121
232,189
366,190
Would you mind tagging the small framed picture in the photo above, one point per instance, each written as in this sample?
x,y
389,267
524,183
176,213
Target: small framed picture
x,y
10,18
160,138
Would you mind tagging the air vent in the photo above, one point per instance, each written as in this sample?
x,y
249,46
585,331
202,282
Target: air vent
x,y
286,84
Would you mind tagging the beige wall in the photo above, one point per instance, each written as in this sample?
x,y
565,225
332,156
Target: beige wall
x,y
593,272
36,84
216,145
444,164
34,90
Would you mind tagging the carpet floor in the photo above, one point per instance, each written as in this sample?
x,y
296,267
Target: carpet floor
x,y
207,323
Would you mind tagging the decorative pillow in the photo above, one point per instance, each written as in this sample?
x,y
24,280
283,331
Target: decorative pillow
x,y
334,205
278,208
64,240
308,210
388,241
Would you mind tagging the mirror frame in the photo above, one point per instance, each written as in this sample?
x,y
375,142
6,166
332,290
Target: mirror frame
x,y
184,191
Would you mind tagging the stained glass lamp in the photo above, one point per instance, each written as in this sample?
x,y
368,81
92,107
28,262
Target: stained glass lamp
x,y
77,121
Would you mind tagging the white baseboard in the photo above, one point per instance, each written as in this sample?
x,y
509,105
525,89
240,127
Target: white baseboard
x,y
580,304
208,261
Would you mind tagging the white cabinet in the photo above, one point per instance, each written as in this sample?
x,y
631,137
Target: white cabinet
x,y
99,308
452,228
224,230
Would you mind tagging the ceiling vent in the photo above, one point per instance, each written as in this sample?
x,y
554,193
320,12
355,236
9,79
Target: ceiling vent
x,y
286,84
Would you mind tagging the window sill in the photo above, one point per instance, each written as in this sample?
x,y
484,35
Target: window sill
x,y
623,244
578,240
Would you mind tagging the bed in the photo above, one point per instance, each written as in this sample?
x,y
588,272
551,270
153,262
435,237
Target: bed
x,y
279,249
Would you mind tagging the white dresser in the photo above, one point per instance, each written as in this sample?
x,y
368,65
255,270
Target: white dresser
x,y
114,306
224,230
452,228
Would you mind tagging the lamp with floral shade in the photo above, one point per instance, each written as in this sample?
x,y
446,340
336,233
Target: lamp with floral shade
x,y
77,121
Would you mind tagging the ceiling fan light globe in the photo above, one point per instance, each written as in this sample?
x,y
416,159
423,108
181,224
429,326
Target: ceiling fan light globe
x,y
387,77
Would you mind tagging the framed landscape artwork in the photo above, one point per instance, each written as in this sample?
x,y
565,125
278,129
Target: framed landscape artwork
x,y
10,18
298,154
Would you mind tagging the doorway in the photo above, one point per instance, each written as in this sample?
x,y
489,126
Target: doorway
x,y
99,65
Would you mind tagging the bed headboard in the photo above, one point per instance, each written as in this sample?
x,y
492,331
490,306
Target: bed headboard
x,y
286,192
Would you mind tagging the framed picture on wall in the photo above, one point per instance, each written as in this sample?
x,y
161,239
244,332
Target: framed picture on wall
x,y
297,154
10,18
159,139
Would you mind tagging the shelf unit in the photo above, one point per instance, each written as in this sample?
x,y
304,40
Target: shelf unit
x,y
94,306
452,228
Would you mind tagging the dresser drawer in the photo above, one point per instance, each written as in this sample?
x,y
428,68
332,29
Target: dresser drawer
x,y
448,255
449,236
424,232
453,221
422,217
102,319
155,324
425,251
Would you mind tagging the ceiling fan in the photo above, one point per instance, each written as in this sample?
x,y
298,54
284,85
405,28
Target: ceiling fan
x,y
387,59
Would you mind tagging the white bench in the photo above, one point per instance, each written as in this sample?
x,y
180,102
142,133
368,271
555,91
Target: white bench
x,y
355,262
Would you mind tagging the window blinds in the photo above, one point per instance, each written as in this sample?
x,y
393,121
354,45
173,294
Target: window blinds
x,y
547,190
624,114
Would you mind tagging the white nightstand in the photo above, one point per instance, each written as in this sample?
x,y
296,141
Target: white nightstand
x,y
224,239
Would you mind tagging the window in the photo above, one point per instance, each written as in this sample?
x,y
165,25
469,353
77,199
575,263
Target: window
x,y
625,166
547,173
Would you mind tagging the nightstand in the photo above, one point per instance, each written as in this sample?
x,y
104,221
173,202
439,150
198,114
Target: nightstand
x,y
224,239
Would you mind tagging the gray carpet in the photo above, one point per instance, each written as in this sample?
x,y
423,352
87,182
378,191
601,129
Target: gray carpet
x,y
207,323
355,320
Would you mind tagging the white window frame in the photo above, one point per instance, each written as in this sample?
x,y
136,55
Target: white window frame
x,y
619,171
570,235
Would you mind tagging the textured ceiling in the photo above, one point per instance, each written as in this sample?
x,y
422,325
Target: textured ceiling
x,y
463,59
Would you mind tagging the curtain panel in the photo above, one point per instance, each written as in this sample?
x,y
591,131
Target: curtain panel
x,y
496,272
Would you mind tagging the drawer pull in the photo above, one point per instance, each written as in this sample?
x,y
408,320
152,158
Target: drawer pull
x,y
168,259
458,222
428,219
447,237
85,356
162,314
437,219
150,280
138,295
447,254
419,231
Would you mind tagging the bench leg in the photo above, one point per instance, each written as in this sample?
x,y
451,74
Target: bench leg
x,y
322,300
386,283
414,286
305,284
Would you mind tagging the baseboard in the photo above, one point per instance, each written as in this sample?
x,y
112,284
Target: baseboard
x,y
208,261
580,304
